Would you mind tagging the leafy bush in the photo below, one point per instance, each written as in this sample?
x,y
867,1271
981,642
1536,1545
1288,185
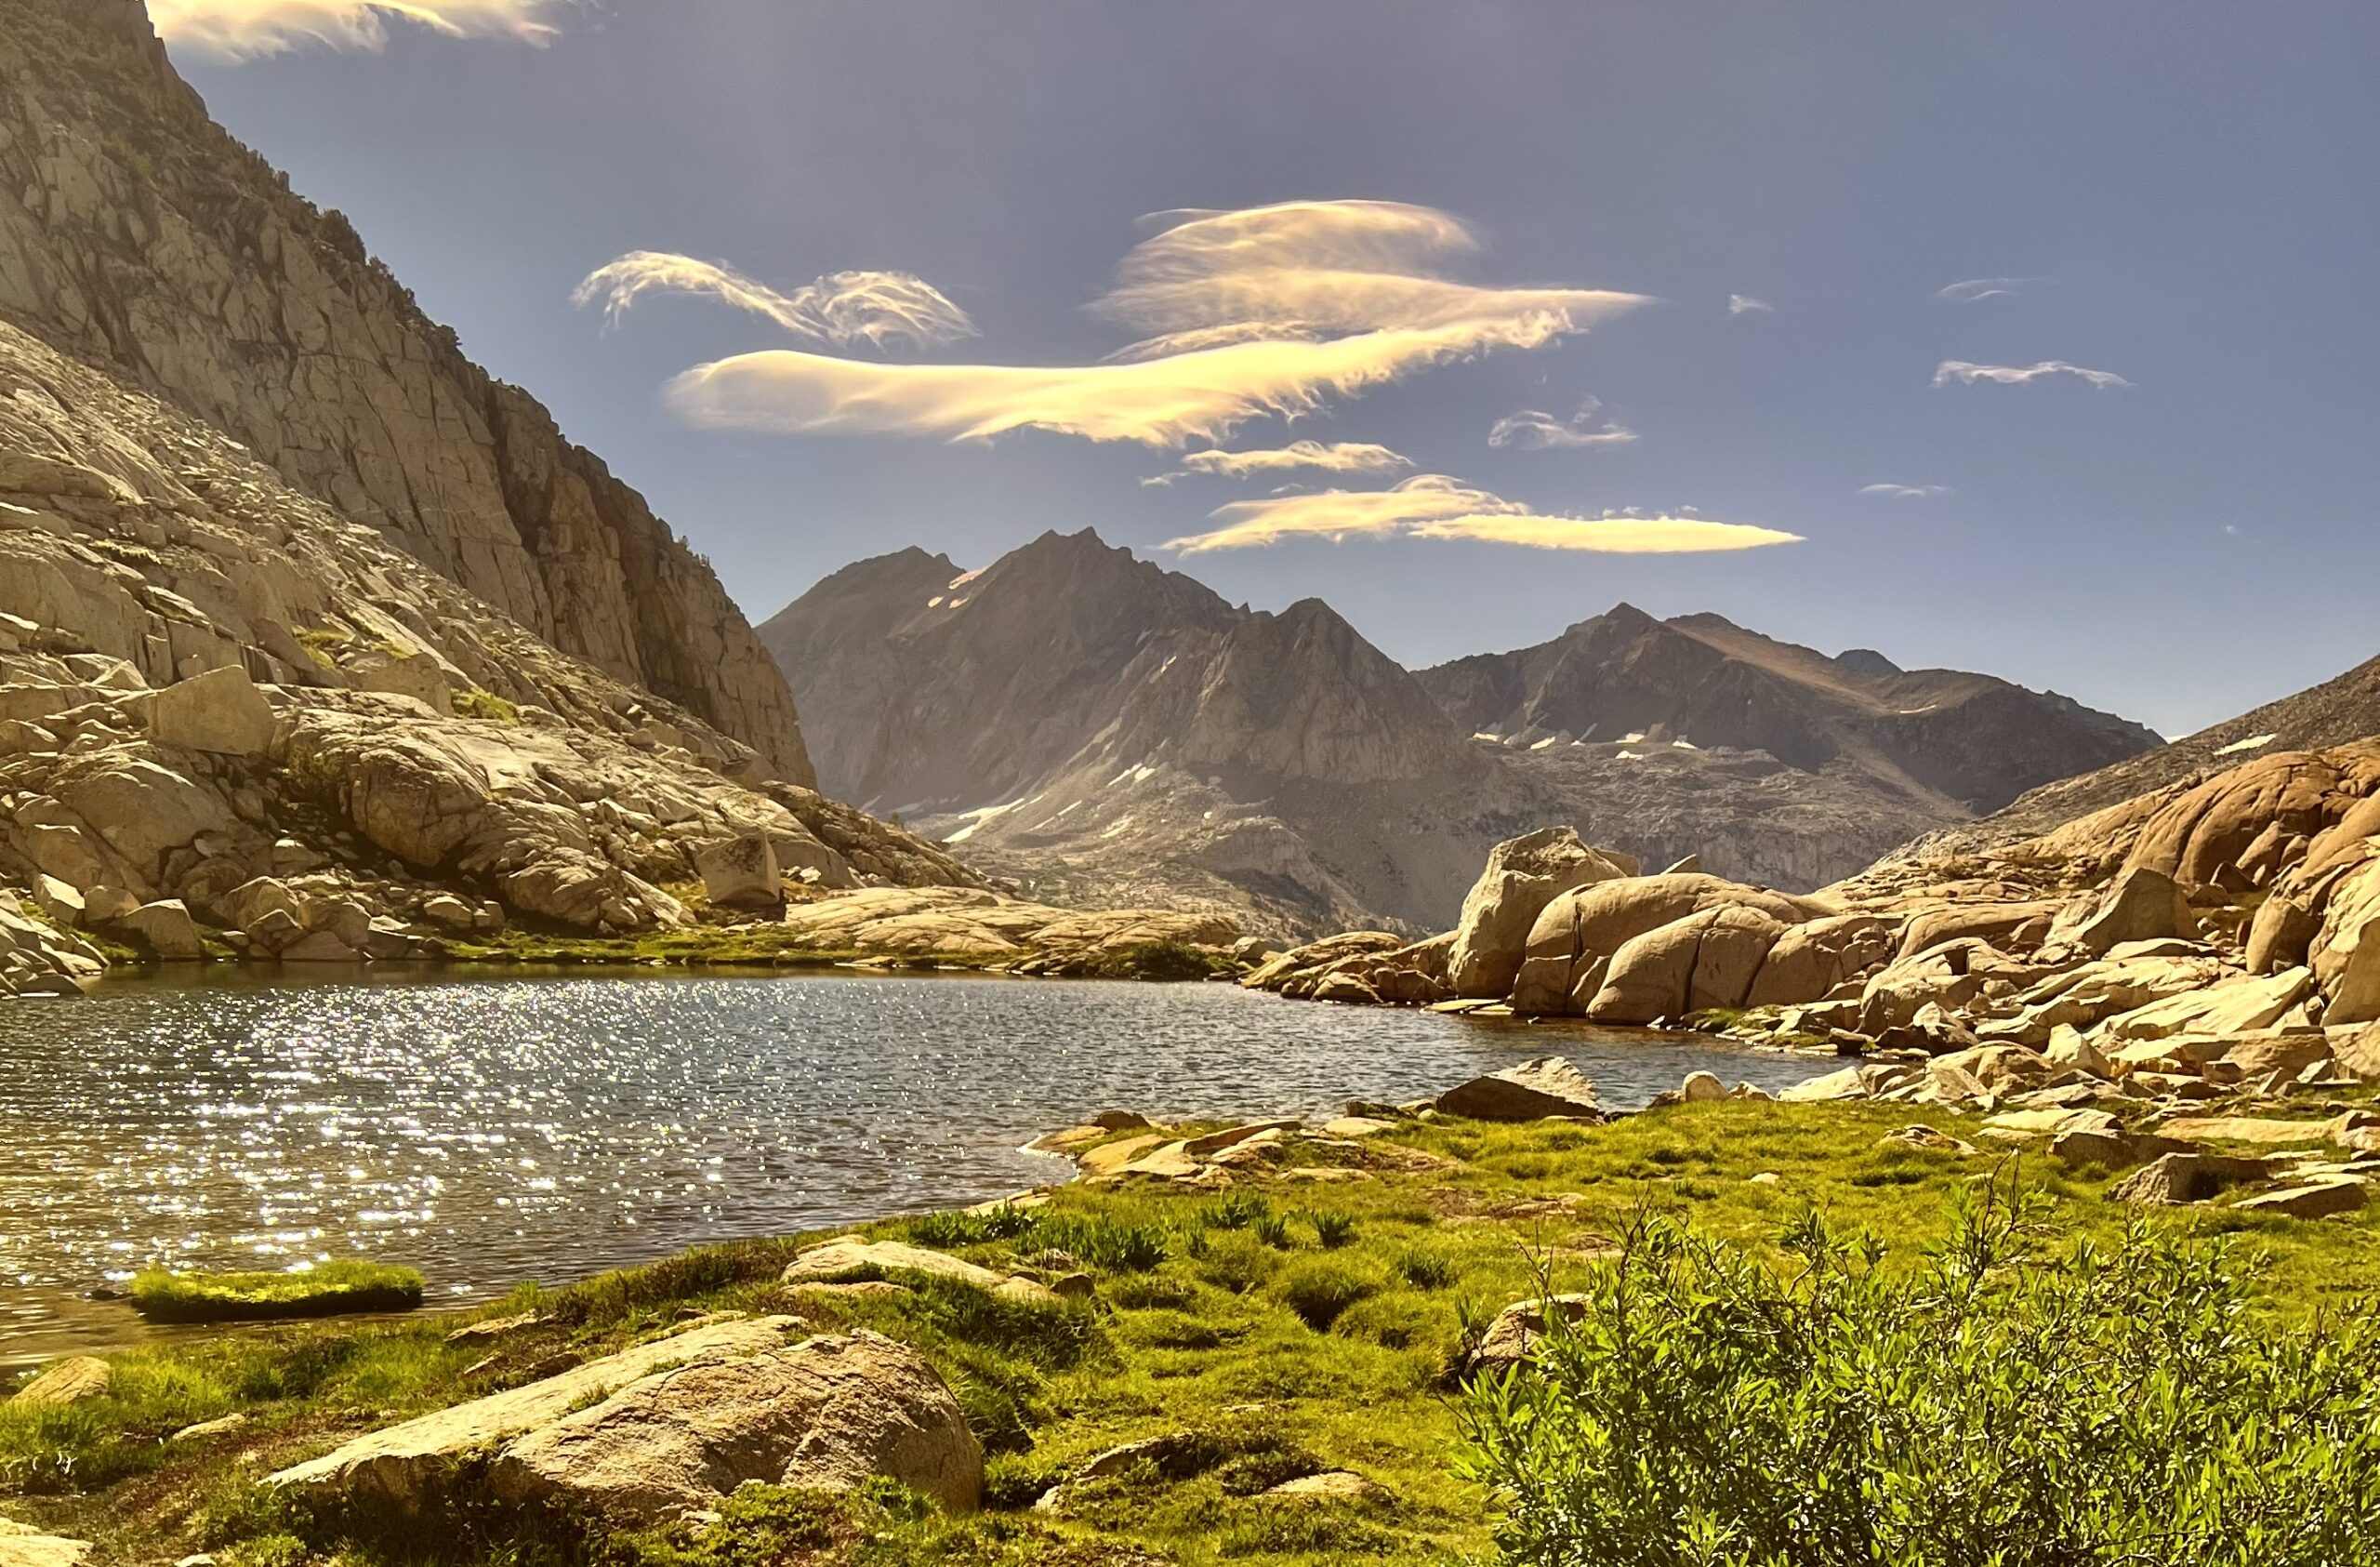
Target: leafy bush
x,y
2005,1400
321,1290
1318,1289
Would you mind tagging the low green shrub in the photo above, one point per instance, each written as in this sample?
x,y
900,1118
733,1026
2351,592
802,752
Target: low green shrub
x,y
1160,961
2009,1397
323,1290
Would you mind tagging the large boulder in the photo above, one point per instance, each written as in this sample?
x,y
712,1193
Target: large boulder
x,y
1810,960
220,710
139,808
1523,875
2144,904
740,872
1588,926
1549,1086
1704,961
673,1425
2004,925
2240,1006
165,928
2345,953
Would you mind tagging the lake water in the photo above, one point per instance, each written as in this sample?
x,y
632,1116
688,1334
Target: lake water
x,y
492,1130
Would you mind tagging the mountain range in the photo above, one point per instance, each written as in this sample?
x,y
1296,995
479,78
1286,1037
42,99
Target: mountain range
x,y
1100,728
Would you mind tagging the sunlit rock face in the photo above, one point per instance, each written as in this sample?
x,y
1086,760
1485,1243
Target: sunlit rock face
x,y
136,232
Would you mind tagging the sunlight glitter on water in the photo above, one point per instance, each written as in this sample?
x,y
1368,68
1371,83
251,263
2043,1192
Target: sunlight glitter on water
x,y
489,1131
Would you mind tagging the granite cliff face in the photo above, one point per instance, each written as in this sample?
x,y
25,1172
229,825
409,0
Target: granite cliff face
x,y
137,233
1100,727
318,645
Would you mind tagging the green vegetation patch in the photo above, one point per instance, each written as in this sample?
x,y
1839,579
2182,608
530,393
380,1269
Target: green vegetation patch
x,y
1289,1327
1161,961
326,1290
2010,1395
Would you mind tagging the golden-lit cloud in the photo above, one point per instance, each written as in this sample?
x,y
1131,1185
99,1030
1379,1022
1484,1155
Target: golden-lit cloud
x,y
1975,289
1338,457
1432,505
844,309
1965,374
237,29
1277,310
1532,430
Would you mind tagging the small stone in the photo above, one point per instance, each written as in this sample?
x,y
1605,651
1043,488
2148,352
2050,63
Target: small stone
x,y
2312,1201
221,1426
1330,1485
68,1381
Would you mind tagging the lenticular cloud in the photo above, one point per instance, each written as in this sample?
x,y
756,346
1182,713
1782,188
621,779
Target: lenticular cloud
x,y
1272,311
238,29
1434,506
845,309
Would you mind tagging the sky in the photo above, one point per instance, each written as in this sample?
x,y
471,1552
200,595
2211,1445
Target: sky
x,y
2035,338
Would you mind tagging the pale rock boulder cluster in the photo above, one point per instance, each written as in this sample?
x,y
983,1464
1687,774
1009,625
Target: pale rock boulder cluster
x,y
2106,988
234,723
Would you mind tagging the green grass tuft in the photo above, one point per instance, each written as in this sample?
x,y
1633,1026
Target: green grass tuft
x,y
328,1289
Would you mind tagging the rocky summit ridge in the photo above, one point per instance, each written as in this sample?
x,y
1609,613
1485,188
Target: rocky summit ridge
x,y
1103,729
1108,731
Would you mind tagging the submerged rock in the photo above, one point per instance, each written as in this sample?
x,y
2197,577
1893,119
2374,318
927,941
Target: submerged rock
x,y
1532,1090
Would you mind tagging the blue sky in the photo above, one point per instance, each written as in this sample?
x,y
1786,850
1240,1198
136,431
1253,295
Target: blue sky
x,y
2187,187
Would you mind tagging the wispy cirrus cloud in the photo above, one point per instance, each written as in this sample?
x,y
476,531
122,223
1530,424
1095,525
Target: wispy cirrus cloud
x,y
844,309
1906,492
1275,310
1434,506
1744,304
241,30
1977,288
1532,430
1337,457
1961,372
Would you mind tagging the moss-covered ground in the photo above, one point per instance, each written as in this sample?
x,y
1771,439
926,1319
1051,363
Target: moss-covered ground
x,y
1291,1324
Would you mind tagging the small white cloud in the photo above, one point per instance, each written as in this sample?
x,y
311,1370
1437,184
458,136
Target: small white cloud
x,y
1336,456
844,309
1906,492
1744,304
1532,430
1967,373
1434,506
241,30
1975,288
